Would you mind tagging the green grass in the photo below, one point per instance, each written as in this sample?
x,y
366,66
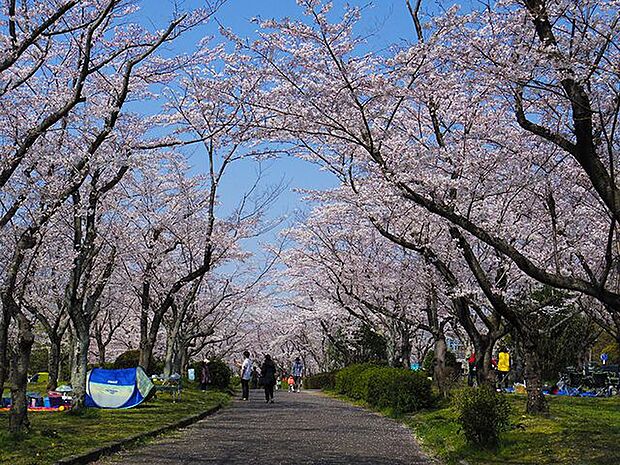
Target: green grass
x,y
577,431
55,435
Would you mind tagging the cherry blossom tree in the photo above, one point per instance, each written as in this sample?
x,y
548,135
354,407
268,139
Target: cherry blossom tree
x,y
68,70
458,123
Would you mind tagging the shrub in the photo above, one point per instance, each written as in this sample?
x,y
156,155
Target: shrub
x,y
399,389
613,352
359,389
219,374
402,390
157,366
38,360
483,414
347,377
128,359
427,364
321,381
106,365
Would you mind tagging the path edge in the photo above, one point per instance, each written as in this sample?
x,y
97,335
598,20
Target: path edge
x,y
424,449
117,446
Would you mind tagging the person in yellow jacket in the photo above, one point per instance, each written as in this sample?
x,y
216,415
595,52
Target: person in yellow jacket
x,y
503,367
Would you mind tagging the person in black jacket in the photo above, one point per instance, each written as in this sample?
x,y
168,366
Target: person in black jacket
x,y
268,377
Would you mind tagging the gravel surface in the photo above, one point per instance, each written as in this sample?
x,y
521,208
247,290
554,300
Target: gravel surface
x,y
298,429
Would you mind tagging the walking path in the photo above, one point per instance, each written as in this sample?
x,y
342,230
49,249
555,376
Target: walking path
x,y
299,429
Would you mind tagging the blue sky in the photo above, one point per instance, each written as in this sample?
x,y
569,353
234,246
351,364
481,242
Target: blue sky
x,y
385,22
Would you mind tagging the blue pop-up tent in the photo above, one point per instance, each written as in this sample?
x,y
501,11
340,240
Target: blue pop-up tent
x,y
124,388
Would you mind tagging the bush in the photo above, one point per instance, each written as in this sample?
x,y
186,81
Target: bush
x,y
347,377
38,360
613,352
321,381
219,374
483,414
398,389
427,364
128,359
107,365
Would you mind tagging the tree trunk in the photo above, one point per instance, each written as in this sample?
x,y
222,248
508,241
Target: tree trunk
x,y
5,320
101,348
439,366
78,375
170,346
536,402
405,350
146,354
18,416
484,367
72,350
183,360
53,363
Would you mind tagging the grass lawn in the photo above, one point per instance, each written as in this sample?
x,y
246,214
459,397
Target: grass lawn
x,y
55,435
578,431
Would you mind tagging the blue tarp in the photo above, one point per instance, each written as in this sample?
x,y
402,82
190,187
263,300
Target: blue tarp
x,y
124,388
568,391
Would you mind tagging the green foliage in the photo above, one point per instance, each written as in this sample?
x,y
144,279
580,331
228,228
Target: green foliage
x,y
107,365
128,359
346,378
321,381
482,414
53,436
579,431
613,351
427,364
38,360
560,342
398,389
364,346
219,374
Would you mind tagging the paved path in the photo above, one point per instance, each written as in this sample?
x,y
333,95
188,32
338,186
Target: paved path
x,y
299,429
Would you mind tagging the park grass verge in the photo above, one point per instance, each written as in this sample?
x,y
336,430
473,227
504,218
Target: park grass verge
x,y
55,435
578,431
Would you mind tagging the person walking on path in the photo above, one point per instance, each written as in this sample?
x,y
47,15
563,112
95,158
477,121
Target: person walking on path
x,y
255,377
297,371
268,377
471,375
246,375
204,375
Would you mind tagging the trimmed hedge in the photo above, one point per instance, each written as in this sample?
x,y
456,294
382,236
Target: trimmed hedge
x,y
219,373
398,389
321,381
128,359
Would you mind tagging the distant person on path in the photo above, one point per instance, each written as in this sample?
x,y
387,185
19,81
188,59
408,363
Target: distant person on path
x,y
254,378
268,377
246,375
471,376
204,375
297,371
291,383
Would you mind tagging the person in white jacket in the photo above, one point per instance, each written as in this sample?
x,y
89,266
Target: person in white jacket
x,y
297,371
246,375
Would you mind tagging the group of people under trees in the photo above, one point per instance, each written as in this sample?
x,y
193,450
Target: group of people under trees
x,y
267,376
